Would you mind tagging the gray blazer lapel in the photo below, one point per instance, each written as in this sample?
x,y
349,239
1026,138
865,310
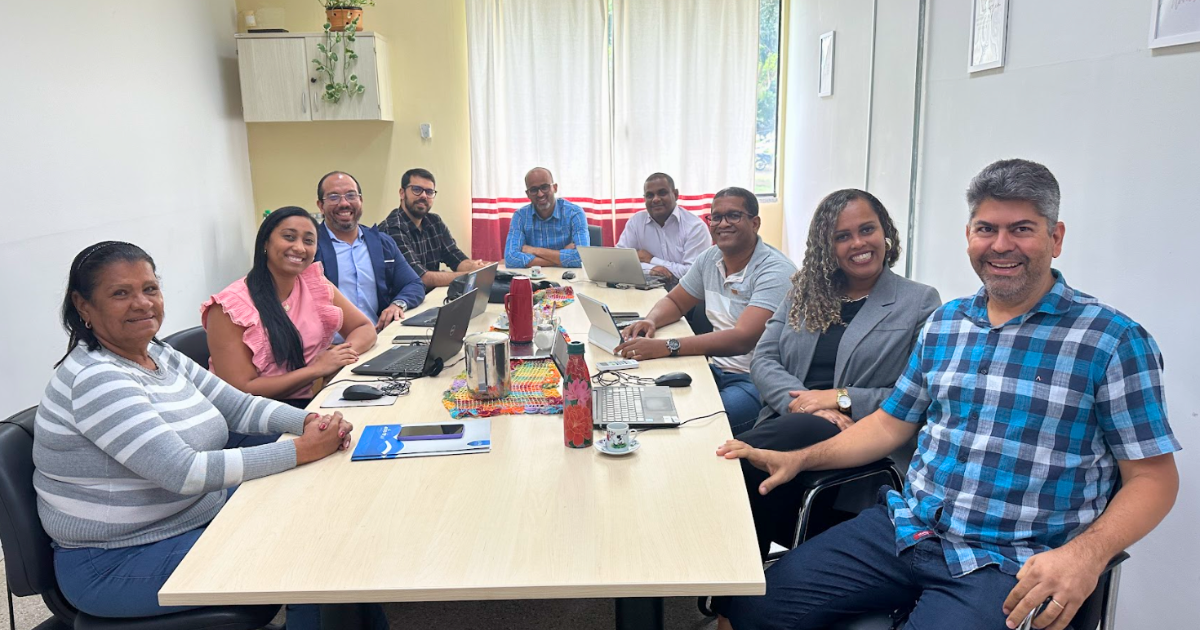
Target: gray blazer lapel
x,y
878,305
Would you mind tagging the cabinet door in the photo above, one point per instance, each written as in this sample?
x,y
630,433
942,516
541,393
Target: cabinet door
x,y
363,106
274,83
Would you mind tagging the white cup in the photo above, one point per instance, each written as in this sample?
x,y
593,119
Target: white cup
x,y
535,271
618,437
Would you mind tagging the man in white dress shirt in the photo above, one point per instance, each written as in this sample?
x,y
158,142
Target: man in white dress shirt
x,y
668,239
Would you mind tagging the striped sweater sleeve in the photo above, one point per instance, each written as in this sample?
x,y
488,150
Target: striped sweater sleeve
x,y
114,412
252,415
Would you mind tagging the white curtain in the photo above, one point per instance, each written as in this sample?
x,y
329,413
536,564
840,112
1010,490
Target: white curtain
x,y
684,96
682,101
539,96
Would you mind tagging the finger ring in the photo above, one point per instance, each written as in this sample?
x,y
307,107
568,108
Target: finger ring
x,y
1055,602
803,409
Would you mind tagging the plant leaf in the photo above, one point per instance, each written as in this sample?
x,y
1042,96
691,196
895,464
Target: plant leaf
x,y
354,77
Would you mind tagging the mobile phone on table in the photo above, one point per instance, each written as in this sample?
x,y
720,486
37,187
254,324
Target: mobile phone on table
x,y
429,432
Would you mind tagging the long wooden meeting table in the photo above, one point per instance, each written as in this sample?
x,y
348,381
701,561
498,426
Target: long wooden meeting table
x,y
532,519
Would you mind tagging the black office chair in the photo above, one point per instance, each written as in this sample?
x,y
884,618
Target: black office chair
x,y
192,342
596,235
29,560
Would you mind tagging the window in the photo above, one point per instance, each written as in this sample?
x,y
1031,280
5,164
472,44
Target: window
x,y
766,120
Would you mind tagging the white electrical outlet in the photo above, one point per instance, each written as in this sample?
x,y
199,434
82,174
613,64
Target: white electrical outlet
x,y
426,131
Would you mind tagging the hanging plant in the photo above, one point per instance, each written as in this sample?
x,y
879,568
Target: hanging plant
x,y
338,48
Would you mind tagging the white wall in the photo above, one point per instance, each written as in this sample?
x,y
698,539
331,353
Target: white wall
x,y
826,140
1116,123
123,123
1120,128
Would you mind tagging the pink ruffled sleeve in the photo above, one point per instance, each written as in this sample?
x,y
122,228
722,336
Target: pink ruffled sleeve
x,y
236,302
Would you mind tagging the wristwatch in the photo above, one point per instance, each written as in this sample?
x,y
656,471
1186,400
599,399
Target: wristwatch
x,y
843,400
401,303
673,347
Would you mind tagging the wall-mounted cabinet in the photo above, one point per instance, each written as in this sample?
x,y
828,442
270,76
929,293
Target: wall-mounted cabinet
x,y
280,83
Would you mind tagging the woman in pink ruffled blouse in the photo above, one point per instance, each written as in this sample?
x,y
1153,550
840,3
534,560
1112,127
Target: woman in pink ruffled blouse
x,y
270,332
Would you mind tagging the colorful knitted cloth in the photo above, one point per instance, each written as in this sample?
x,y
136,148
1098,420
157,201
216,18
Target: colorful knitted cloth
x,y
534,390
558,296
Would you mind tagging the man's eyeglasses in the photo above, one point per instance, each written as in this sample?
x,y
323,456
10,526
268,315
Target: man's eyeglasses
x,y
732,218
421,190
544,189
336,198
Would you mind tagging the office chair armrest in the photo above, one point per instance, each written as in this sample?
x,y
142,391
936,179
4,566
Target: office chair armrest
x,y
822,478
1116,561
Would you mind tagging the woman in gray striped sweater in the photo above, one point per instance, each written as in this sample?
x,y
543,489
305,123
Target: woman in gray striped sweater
x,y
129,437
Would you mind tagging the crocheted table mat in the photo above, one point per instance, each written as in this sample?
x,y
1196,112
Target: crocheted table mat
x,y
534,391
559,296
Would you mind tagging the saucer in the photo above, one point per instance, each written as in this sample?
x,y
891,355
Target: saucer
x,y
602,446
500,323
540,276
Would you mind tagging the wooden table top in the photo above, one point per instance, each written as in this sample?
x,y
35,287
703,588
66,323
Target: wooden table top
x,y
532,519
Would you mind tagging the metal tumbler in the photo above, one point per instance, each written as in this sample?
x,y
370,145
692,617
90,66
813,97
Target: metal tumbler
x,y
488,373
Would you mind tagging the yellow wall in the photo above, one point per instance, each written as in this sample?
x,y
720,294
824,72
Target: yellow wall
x,y
427,42
428,47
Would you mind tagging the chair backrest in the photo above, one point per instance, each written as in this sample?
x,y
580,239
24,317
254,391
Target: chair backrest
x,y
28,557
596,236
193,343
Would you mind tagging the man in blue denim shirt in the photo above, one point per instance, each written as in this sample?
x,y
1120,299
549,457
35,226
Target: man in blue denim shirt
x,y
1032,400
547,231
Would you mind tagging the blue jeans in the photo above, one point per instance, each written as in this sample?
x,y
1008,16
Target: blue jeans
x,y
740,397
853,568
125,582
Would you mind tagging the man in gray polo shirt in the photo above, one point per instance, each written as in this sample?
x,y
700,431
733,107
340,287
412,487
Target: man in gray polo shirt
x,y
741,281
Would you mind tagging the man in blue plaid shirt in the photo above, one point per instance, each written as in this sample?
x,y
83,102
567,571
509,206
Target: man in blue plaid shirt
x,y
1032,399
548,230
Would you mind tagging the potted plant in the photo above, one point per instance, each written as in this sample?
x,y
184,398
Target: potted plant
x,y
340,13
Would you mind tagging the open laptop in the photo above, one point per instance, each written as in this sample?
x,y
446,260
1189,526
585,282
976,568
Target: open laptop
x,y
480,279
616,265
604,333
428,360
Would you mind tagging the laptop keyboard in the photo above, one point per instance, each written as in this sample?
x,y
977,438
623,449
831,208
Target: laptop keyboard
x,y
619,404
410,362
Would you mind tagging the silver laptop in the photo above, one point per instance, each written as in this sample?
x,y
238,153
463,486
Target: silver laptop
x,y
616,265
641,407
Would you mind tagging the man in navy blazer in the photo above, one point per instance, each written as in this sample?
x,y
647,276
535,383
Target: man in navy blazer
x,y
366,267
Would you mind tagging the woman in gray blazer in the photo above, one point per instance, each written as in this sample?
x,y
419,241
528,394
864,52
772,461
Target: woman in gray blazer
x,y
833,351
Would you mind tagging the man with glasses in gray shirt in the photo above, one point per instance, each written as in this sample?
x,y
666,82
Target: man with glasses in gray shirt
x,y
741,281
422,236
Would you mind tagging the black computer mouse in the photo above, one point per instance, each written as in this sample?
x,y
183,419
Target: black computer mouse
x,y
568,275
674,379
361,392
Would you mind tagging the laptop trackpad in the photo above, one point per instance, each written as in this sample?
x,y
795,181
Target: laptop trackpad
x,y
657,403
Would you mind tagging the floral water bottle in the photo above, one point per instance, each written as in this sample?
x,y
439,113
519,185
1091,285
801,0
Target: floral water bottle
x,y
577,399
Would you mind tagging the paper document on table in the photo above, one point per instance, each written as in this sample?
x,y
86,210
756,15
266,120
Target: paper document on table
x,y
379,441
